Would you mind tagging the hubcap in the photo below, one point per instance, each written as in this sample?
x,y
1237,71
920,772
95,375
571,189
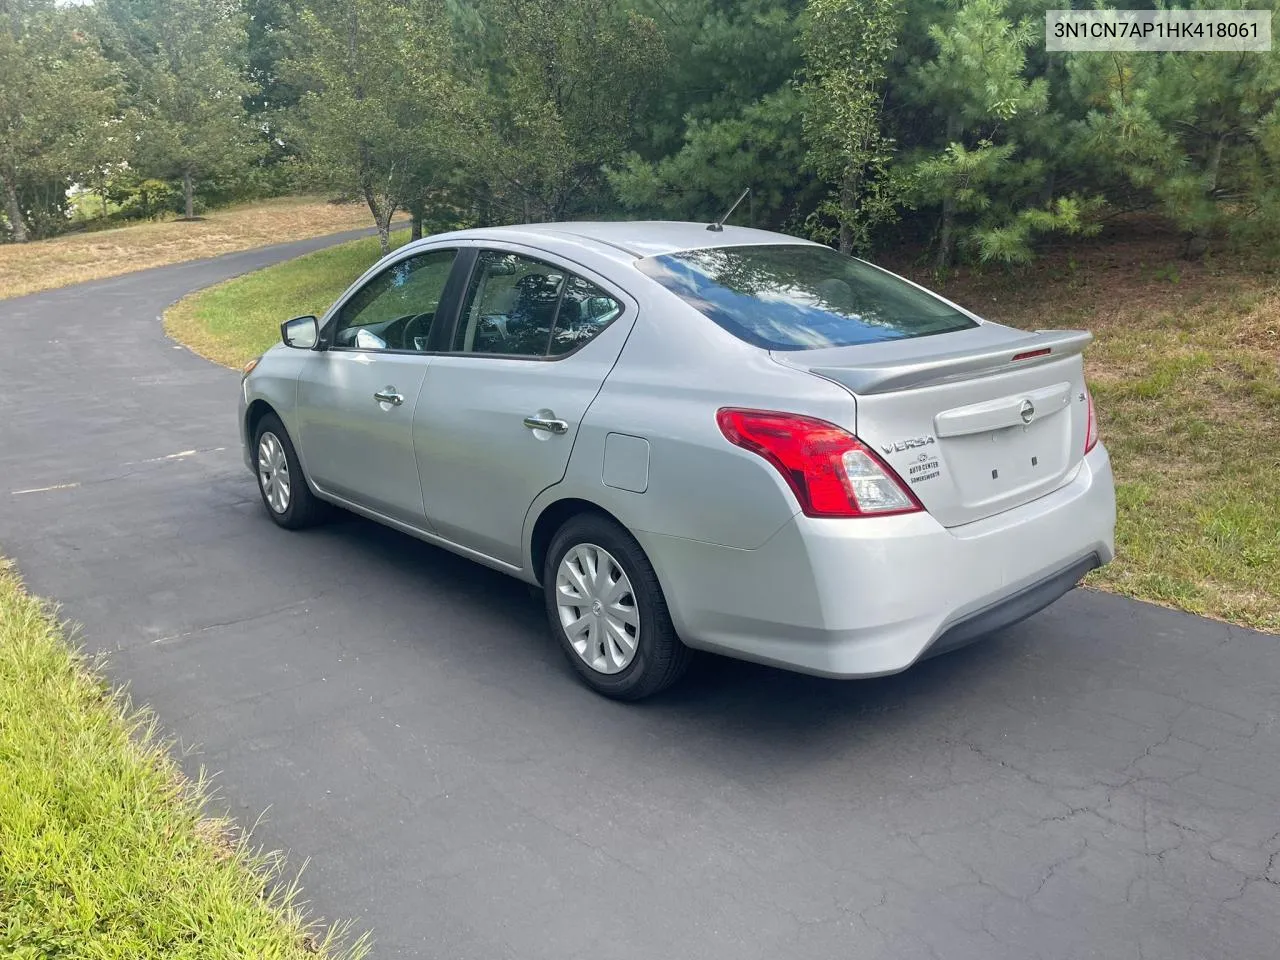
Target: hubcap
x,y
597,608
273,472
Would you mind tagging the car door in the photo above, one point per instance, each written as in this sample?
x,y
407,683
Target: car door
x,y
356,398
498,413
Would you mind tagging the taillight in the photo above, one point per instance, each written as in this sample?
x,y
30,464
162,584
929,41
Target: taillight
x,y
832,473
1091,427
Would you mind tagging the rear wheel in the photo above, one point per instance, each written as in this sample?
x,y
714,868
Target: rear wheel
x,y
606,609
285,493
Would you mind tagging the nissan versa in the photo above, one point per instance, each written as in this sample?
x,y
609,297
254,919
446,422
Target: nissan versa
x,y
695,438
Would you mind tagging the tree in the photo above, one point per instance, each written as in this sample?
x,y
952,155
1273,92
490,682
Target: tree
x,y
726,115
1199,132
385,112
182,60
975,84
566,81
57,94
759,146
847,44
274,96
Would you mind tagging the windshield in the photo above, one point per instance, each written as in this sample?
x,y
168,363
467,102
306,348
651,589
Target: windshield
x,y
800,297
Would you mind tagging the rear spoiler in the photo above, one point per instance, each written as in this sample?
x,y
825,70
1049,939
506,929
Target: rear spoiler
x,y
887,376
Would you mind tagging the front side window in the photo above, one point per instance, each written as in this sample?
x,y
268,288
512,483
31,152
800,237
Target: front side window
x,y
396,309
800,296
520,307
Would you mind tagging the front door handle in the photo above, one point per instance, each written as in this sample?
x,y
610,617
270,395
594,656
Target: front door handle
x,y
389,395
550,424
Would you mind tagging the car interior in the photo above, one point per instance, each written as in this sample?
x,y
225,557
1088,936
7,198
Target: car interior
x,y
399,333
510,311
514,307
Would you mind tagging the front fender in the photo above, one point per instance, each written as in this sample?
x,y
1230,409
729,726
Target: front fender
x,y
273,384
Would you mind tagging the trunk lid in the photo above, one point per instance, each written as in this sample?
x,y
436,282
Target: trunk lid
x,y
975,422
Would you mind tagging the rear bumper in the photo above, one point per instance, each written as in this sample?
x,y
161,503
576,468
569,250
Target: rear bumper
x,y
1017,606
861,598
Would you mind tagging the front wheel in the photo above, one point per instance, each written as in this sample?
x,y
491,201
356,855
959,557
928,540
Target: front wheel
x,y
607,610
285,493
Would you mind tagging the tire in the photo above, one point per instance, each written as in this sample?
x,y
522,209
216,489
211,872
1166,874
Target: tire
x,y
595,639
298,507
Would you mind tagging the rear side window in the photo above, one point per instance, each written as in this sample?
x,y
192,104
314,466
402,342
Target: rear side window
x,y
800,297
520,307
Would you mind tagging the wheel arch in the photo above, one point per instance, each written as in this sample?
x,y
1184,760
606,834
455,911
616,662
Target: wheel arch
x,y
253,415
550,519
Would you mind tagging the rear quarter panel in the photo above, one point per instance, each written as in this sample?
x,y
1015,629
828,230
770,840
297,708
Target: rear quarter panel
x,y
675,372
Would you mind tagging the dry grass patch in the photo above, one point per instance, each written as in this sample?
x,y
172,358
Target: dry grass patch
x,y
46,264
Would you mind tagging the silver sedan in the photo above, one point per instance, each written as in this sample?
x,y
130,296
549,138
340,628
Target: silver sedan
x,y
693,438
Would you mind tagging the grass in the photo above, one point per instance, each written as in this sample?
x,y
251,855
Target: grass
x,y
46,264
1185,368
233,322
105,849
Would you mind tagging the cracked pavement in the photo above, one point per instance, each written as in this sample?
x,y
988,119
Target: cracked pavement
x,y
1100,781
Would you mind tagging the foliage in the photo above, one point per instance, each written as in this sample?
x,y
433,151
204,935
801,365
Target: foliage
x,y
759,147
1010,242
185,89
566,82
847,44
841,116
273,96
384,111
980,169
56,90
726,115
1199,131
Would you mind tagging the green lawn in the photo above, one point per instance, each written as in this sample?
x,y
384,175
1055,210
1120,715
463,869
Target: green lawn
x,y
233,322
105,851
1184,368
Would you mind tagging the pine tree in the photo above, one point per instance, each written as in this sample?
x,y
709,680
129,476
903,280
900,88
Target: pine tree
x,y
726,115
1199,132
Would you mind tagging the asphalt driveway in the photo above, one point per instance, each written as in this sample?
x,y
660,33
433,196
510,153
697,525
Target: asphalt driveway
x,y
1101,781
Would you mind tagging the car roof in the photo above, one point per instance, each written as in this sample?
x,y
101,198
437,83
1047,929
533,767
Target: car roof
x,y
633,238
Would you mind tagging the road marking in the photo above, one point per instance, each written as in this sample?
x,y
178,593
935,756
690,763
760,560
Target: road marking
x,y
56,486
180,455
168,458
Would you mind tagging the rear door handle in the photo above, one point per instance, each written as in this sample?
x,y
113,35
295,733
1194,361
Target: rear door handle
x,y
389,395
550,424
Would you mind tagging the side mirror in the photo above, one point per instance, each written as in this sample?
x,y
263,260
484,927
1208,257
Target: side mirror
x,y
301,332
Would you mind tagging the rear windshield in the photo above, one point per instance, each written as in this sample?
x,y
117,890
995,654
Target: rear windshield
x,y
800,297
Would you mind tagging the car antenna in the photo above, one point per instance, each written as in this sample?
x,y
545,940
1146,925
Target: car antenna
x,y
719,224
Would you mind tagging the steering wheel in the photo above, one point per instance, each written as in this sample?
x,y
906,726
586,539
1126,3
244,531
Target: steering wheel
x,y
417,326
